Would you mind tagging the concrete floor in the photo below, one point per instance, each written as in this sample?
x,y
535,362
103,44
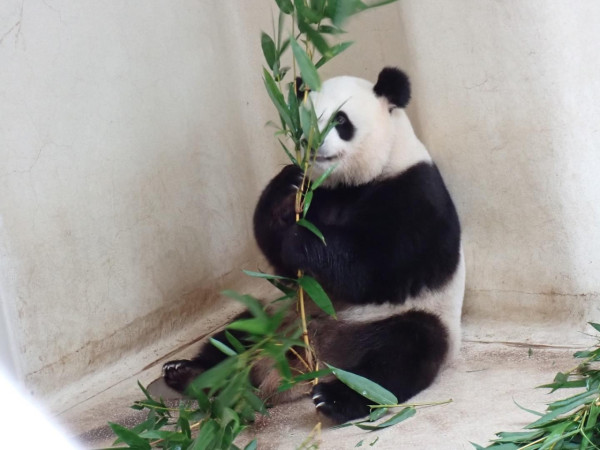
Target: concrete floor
x,y
482,383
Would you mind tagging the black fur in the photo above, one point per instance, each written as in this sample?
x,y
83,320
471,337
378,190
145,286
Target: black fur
x,y
301,88
344,127
385,240
178,374
394,85
403,353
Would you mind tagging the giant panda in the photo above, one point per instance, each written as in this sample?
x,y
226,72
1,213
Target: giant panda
x,y
392,263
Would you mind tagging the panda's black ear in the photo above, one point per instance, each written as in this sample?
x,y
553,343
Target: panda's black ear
x,y
300,88
393,84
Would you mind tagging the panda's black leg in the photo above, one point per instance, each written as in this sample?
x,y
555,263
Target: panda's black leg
x,y
338,402
178,374
402,353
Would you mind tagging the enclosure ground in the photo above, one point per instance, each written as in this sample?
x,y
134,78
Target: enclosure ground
x,y
483,381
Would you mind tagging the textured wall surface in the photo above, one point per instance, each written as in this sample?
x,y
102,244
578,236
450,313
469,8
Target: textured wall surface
x,y
133,149
508,101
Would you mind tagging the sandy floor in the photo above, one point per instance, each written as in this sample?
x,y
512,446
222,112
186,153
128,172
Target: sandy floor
x,y
482,383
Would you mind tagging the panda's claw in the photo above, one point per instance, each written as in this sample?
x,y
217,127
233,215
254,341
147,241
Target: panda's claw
x,y
179,374
338,402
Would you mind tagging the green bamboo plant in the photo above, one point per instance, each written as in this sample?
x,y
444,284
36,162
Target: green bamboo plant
x,y
569,423
312,22
223,401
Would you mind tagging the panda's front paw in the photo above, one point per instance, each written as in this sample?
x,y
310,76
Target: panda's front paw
x,y
283,214
276,209
286,182
338,402
178,374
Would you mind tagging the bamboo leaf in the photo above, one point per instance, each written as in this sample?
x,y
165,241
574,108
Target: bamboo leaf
x,y
129,437
303,377
316,38
307,14
596,326
333,51
207,437
328,29
170,436
592,420
267,276
285,6
184,423
280,24
255,402
253,326
559,433
309,226
291,157
505,446
565,385
365,387
252,445
307,68
288,291
269,50
555,413
253,305
277,98
322,178
377,414
573,400
343,10
519,436
535,413
306,123
406,413
307,201
235,342
293,106
317,294
224,348
228,396
212,378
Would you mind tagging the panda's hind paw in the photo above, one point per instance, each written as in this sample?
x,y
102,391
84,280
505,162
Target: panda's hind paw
x,y
178,374
338,402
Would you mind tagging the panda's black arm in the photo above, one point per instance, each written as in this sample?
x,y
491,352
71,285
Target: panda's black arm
x,y
388,261
275,213
350,264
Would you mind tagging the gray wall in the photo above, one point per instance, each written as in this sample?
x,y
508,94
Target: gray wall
x,y
133,149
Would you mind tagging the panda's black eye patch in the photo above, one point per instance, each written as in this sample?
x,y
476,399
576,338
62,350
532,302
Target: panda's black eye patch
x,y
344,126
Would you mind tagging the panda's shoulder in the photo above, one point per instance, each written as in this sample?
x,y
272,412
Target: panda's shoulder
x,y
420,180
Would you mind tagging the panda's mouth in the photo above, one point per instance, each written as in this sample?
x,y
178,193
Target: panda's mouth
x,y
322,159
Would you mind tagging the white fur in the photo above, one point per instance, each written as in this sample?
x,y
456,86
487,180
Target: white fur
x,y
446,303
384,143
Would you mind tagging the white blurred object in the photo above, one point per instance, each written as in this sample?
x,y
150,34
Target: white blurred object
x,y
23,425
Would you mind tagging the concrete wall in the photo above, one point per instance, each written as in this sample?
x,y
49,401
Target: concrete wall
x,y
133,149
508,100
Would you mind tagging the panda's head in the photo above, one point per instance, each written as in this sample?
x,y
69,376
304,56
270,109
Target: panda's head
x,y
372,138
